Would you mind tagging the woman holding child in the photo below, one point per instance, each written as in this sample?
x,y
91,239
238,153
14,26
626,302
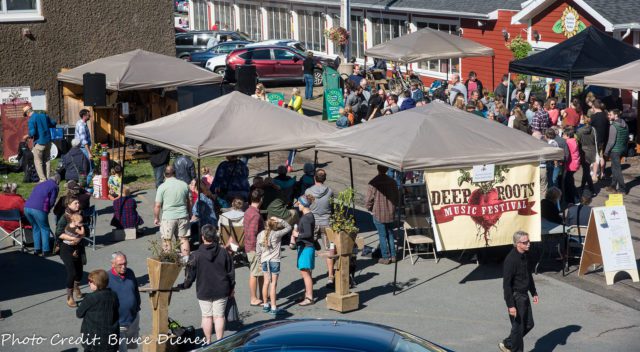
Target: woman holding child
x,y
70,232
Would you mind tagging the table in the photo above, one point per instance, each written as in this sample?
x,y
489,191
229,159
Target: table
x,y
549,230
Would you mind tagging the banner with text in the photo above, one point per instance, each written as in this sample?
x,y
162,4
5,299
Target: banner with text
x,y
473,209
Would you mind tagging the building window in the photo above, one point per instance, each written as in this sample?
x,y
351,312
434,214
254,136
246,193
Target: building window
x,y
250,21
357,36
224,16
311,27
440,65
279,23
200,14
18,10
385,29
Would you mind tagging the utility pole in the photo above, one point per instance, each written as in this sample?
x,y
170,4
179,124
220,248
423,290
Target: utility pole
x,y
345,22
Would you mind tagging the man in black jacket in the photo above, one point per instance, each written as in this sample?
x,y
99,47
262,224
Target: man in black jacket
x,y
75,163
213,268
159,158
516,282
185,169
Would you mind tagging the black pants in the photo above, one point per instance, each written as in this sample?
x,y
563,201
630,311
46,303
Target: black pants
x,y
570,191
521,324
72,264
617,181
586,176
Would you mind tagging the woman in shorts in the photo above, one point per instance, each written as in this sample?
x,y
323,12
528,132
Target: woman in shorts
x,y
306,251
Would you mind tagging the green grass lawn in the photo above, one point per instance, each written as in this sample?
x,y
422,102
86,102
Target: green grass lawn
x,y
138,175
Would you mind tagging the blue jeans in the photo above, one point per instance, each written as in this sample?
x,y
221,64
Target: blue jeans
x,y
90,173
308,86
386,238
40,222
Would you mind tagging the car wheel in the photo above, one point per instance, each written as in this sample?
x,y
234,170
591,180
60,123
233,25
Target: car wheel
x,y
184,57
317,78
219,70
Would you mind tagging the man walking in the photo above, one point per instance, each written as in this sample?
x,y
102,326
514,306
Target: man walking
x,y
83,135
616,146
321,210
308,66
159,158
39,125
253,225
381,201
123,282
541,120
517,282
212,267
173,198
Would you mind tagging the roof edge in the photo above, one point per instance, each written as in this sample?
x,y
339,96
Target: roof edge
x,y
534,7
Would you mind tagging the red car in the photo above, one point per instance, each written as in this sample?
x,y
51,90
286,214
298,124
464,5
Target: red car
x,y
273,63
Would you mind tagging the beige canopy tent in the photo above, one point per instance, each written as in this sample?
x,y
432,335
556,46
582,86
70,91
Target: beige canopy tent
x,y
623,77
234,124
427,44
141,70
436,136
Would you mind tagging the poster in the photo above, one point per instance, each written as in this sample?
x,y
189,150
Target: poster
x,y
275,98
333,102
471,214
15,95
614,236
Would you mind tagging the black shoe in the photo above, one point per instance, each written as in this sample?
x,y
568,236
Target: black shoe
x,y
47,254
37,253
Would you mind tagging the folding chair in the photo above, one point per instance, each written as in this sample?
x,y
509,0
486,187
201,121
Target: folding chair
x,y
574,243
422,236
237,234
91,219
13,215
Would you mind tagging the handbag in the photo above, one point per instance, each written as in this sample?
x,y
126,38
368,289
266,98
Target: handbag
x,y
231,310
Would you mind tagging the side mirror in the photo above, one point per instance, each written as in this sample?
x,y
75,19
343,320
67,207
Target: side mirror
x,y
296,59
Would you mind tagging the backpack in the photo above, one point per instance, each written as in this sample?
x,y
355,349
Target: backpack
x,y
342,122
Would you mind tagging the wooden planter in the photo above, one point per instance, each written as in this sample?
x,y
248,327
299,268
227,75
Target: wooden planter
x,y
162,276
342,300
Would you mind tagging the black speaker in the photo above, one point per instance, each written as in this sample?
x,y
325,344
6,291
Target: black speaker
x,y
246,79
95,89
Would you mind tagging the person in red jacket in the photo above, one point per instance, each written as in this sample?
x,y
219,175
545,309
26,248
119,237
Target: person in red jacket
x,y
10,199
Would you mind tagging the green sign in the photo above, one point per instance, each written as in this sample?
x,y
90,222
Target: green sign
x,y
274,98
333,102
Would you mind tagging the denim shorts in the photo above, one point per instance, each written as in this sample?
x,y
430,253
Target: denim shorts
x,y
271,267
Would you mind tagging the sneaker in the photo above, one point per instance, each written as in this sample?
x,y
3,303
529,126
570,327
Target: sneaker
x,y
503,348
266,308
384,261
275,312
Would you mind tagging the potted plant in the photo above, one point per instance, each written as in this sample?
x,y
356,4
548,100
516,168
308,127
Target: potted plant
x,y
340,38
342,230
164,266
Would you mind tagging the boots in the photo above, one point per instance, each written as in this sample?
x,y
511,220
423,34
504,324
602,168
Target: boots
x,y
70,302
76,290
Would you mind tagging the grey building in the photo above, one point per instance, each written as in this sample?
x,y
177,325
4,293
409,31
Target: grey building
x,y
38,38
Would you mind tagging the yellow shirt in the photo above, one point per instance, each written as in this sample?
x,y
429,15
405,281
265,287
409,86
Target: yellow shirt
x,y
296,104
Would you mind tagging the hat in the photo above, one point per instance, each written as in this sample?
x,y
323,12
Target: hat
x,y
304,201
308,168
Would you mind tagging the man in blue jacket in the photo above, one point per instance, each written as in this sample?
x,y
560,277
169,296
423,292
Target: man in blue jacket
x,y
123,282
39,124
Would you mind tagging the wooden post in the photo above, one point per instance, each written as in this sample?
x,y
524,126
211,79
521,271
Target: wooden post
x,y
161,279
342,300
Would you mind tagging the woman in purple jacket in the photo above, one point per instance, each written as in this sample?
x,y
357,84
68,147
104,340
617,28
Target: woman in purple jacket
x,y
36,209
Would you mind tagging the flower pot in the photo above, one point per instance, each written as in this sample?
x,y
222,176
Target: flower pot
x,y
344,242
346,68
162,275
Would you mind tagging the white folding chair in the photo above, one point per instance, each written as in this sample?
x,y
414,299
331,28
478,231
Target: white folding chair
x,y
91,218
13,215
422,236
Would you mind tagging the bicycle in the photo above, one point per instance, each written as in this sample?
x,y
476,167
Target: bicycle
x,y
399,83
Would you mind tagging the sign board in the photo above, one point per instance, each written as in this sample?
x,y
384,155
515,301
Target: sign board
x,y
614,199
608,242
470,214
483,173
275,98
14,127
569,24
333,102
15,95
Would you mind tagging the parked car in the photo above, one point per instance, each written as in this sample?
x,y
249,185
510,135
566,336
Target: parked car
x,y
180,30
200,57
320,335
326,58
188,42
273,63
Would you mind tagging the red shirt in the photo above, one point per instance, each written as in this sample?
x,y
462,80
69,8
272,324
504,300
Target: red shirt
x,y
572,118
253,224
11,201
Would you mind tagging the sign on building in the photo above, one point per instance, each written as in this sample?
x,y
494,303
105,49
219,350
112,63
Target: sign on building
x,y
15,95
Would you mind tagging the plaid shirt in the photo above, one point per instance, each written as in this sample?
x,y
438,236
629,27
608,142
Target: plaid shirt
x,y
82,133
125,211
382,198
253,225
540,121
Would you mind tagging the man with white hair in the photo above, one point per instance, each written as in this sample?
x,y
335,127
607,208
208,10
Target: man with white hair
x,y
456,87
75,163
122,281
517,283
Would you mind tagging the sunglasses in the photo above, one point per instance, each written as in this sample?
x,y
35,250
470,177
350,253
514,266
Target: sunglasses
x,y
524,242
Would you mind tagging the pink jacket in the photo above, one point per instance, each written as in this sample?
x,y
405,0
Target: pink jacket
x,y
573,161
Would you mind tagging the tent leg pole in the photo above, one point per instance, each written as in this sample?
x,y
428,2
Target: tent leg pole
x,y
353,201
395,265
568,92
506,99
198,180
315,160
268,164
123,162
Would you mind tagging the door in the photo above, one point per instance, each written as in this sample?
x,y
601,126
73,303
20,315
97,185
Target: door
x,y
263,61
287,64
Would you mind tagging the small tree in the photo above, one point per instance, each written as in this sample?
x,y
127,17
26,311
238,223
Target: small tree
x,y
519,47
341,219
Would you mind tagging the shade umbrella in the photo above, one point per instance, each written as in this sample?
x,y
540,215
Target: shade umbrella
x,y
623,77
427,44
436,136
142,70
234,124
